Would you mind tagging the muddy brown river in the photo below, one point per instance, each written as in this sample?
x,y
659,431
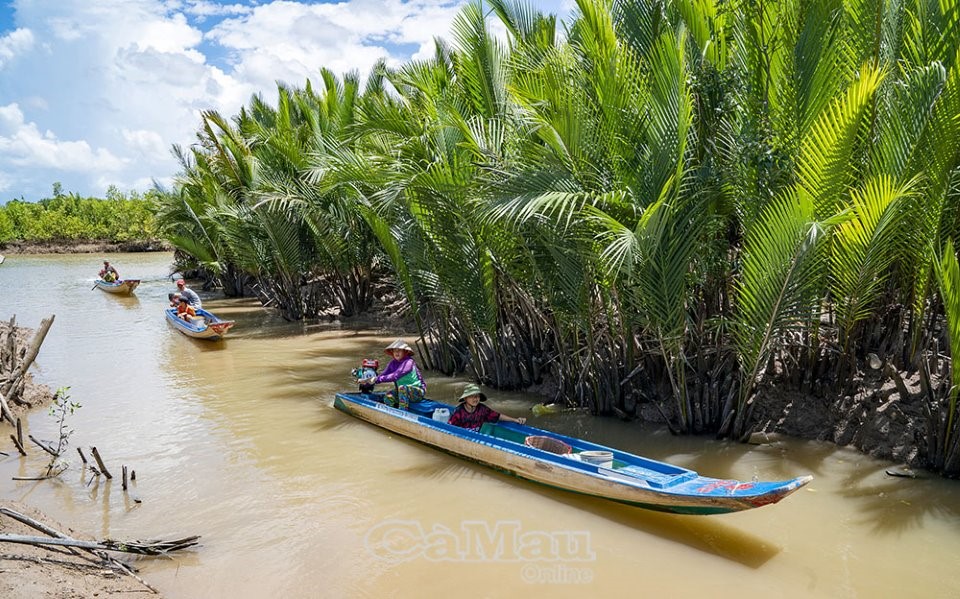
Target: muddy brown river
x,y
239,442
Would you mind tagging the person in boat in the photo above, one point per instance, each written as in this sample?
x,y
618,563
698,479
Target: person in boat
x,y
108,273
409,386
185,310
192,298
471,413
174,298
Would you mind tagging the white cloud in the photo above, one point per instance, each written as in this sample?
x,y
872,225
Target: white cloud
x,y
144,142
202,8
97,91
22,144
291,41
14,43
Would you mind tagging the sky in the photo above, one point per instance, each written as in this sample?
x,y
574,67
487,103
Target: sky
x,y
94,93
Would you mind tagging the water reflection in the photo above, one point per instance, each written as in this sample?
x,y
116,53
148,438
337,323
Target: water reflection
x,y
129,302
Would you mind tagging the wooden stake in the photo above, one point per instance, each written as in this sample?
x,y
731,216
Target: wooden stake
x,y
96,456
19,432
133,475
82,457
19,446
124,478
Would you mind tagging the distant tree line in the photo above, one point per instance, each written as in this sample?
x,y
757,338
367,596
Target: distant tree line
x,y
672,202
70,217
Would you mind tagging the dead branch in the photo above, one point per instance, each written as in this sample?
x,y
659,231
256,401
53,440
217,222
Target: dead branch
x,y
43,446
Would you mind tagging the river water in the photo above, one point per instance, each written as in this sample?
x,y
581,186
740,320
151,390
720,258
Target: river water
x,y
238,442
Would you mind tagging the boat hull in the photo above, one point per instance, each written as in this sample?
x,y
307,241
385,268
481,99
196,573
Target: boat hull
x,y
124,287
632,480
211,329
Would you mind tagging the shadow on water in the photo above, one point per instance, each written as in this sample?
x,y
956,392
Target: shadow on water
x,y
894,505
891,505
701,533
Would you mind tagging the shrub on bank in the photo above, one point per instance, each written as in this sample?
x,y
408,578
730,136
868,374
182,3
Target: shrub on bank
x,y
117,218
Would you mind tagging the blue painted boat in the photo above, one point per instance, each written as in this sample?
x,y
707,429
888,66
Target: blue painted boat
x,y
122,287
204,326
570,464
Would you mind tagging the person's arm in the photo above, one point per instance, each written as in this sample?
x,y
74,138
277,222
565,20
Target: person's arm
x,y
503,417
395,370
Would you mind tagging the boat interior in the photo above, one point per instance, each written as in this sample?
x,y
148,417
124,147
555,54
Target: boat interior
x,y
656,474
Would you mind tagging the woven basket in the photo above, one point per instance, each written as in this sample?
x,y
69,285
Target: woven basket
x,y
548,444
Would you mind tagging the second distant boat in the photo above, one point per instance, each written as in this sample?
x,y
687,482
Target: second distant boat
x,y
204,326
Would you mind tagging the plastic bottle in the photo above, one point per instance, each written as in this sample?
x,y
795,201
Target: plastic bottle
x,y
541,409
441,415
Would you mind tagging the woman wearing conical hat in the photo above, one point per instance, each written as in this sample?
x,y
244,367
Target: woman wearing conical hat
x,y
409,386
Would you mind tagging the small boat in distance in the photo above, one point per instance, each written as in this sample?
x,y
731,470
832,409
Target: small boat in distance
x,y
204,326
122,287
568,463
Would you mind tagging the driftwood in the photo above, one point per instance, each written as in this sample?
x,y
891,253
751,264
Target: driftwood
x,y
101,554
136,547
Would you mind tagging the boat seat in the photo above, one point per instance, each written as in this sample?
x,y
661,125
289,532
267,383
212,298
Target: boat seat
x,y
427,406
654,478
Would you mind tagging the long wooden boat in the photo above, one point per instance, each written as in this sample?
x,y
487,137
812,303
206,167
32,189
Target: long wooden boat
x,y
620,476
122,287
205,326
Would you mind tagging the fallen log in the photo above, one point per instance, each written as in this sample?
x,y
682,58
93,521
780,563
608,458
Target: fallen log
x,y
136,547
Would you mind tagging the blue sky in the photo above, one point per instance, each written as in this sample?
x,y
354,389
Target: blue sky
x,y
93,93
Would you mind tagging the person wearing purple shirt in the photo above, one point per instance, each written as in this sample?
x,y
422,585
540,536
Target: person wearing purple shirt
x,y
402,371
